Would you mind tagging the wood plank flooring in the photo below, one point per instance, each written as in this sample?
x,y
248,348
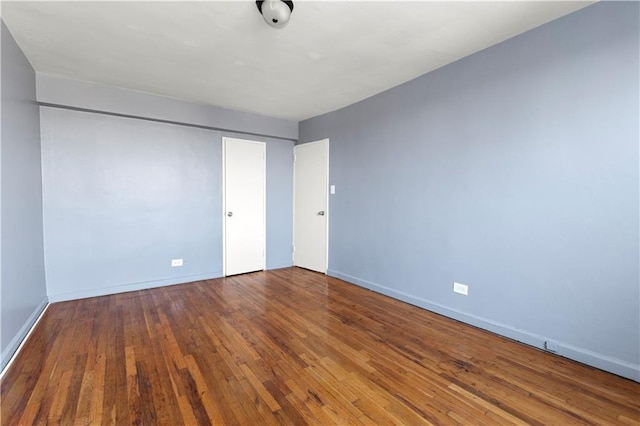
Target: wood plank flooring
x,y
291,347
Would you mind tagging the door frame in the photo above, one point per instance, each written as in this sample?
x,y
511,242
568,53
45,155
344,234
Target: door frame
x,y
224,202
327,209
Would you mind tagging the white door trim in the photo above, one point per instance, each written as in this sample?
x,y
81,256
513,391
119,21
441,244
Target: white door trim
x,y
224,203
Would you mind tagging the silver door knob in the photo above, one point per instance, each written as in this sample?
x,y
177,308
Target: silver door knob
x,y
321,213
230,214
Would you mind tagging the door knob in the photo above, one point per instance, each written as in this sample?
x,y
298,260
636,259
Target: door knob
x,y
321,213
230,214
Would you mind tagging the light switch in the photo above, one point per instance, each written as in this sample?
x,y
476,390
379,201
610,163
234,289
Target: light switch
x,y
332,189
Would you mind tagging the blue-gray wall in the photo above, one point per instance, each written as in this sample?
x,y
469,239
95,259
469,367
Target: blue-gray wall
x,y
124,196
515,171
22,280
279,204
59,90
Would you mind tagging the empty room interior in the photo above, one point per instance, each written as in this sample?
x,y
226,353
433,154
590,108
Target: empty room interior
x,y
320,212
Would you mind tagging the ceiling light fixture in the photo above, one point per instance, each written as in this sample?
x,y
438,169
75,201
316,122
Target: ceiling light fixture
x,y
276,13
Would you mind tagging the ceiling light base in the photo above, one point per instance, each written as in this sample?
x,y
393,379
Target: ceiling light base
x,y
276,13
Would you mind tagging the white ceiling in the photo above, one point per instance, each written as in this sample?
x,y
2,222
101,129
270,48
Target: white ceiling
x,y
332,53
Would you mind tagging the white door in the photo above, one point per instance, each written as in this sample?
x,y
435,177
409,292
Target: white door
x,y
244,206
310,205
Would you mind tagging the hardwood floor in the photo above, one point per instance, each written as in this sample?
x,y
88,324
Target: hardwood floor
x,y
295,347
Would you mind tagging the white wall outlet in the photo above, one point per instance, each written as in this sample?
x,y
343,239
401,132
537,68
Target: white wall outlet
x,y
332,189
461,288
176,262
552,346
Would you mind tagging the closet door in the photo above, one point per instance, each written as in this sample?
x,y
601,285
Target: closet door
x,y
244,206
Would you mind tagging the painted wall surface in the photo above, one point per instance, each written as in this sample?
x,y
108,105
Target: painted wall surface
x,y
279,204
22,280
99,97
515,171
123,196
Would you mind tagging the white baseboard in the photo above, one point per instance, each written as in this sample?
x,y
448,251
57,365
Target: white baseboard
x,y
12,350
585,356
123,288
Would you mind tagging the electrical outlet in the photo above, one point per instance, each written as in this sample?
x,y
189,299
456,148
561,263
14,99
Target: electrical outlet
x,y
176,262
461,288
552,346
